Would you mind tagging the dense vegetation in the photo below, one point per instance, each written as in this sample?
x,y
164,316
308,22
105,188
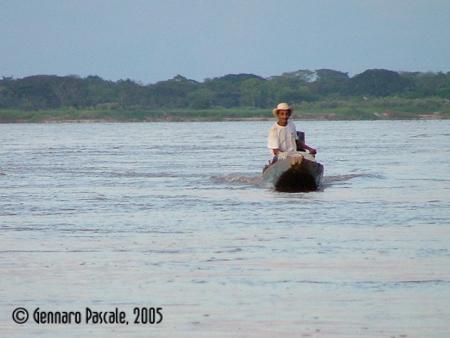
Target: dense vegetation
x,y
324,93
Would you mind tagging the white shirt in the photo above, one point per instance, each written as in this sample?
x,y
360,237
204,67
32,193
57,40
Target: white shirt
x,y
283,138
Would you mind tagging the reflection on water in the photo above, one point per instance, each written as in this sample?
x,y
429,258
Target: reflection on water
x,y
174,215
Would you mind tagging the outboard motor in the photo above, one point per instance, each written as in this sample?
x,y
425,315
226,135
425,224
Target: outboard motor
x,y
301,140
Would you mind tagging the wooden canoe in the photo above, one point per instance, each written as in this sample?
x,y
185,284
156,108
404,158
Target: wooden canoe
x,y
295,173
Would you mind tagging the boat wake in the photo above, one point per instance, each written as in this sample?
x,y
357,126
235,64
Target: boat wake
x,y
256,180
336,179
238,179
340,178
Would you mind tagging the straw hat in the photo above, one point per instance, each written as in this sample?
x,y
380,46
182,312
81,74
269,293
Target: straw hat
x,y
282,106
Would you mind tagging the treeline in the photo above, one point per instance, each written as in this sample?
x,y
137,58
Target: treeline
x,y
234,90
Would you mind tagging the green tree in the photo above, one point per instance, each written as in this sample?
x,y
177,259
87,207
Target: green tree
x,y
202,98
379,82
255,93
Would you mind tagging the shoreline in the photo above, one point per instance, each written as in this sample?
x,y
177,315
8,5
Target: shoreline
x,y
392,108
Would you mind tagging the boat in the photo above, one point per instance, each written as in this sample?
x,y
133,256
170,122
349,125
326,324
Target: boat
x,y
293,172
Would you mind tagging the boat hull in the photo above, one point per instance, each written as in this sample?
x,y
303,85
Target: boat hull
x,y
293,174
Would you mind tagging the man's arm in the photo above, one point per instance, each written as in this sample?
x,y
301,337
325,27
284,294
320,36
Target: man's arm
x,y
272,142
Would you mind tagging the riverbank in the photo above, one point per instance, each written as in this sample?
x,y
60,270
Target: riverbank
x,y
392,108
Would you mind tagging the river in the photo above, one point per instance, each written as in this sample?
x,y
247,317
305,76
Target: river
x,y
172,215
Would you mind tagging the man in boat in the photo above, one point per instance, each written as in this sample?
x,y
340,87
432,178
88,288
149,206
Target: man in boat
x,y
283,135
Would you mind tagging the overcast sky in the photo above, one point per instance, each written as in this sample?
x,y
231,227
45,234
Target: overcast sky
x,y
150,40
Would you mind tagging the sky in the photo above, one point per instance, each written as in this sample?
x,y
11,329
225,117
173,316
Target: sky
x,y
149,40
